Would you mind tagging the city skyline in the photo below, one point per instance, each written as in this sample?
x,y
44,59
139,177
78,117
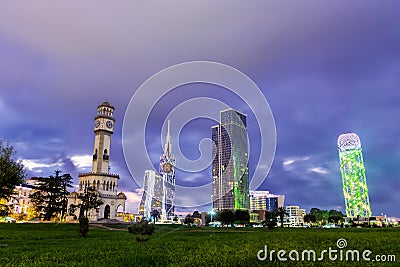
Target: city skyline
x,y
324,70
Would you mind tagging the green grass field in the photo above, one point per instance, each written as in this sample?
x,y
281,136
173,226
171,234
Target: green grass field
x,y
59,245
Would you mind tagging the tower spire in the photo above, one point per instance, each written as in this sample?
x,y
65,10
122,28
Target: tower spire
x,y
168,146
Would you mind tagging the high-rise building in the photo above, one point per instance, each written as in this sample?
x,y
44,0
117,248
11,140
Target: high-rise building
x,y
167,171
354,181
264,200
153,193
159,189
230,175
100,178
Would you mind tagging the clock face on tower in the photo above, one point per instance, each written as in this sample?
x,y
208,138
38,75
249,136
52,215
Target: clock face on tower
x,y
167,168
97,124
109,124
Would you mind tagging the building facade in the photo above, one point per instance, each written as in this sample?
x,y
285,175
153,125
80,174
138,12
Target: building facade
x,y
230,175
153,194
100,178
355,189
295,216
21,201
264,200
167,171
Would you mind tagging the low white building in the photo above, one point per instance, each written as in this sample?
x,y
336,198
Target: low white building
x,y
21,201
295,216
264,200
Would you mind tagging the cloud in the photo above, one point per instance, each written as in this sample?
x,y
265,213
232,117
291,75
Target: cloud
x,y
191,177
319,170
82,161
38,165
288,162
293,163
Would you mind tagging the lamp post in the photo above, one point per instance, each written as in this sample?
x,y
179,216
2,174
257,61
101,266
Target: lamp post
x,y
212,213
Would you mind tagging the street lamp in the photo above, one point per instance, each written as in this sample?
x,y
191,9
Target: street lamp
x,y
212,213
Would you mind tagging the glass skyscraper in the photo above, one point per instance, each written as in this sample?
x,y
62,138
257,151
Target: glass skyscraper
x,y
355,187
230,175
153,192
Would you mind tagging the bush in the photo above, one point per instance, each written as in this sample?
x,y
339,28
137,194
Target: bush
x,y
83,226
141,228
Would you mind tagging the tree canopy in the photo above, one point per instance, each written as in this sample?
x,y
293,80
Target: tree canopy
x,y
242,216
281,212
12,172
226,217
324,216
50,194
89,200
270,219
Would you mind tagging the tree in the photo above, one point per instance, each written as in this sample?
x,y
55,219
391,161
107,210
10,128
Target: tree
x,y
335,216
226,217
89,200
270,219
189,220
66,182
310,218
50,194
314,210
336,213
12,174
281,212
334,219
196,214
321,215
242,216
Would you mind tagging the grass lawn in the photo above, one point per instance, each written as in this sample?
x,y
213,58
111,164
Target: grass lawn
x,y
59,245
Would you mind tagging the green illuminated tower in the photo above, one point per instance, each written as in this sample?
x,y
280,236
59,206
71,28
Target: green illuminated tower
x,y
230,176
355,187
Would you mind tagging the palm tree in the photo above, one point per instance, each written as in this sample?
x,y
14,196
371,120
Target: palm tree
x,y
281,212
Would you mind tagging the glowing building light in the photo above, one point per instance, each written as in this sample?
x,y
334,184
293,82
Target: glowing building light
x,y
355,188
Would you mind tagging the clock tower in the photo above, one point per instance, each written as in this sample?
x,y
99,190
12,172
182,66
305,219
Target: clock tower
x,y
100,178
167,171
103,129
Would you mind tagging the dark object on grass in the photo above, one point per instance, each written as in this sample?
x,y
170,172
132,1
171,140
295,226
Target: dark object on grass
x,y
83,226
141,229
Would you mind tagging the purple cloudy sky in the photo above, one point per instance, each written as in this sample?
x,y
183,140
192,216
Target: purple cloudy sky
x,y
325,67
